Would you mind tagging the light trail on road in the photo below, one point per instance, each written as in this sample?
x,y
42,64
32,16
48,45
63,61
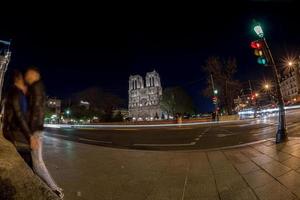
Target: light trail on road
x,y
179,136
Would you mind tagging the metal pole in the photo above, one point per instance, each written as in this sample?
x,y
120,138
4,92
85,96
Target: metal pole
x,y
281,134
250,86
212,83
213,90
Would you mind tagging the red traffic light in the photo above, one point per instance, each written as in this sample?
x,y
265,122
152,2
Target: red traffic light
x,y
215,99
256,45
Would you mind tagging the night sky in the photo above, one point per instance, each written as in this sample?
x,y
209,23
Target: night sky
x,y
84,47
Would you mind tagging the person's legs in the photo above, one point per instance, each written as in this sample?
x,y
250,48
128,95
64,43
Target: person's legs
x,y
39,166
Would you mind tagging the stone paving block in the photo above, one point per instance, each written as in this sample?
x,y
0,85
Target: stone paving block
x,y
293,163
290,148
296,153
219,162
279,156
168,187
275,168
204,198
274,191
200,187
230,181
258,178
243,194
199,165
247,167
264,149
236,156
230,184
250,152
278,147
170,184
291,180
262,159
292,142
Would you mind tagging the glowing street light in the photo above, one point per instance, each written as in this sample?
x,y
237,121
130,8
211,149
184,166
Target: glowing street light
x,y
267,86
68,112
258,30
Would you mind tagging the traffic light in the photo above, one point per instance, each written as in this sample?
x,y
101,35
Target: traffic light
x,y
215,99
260,51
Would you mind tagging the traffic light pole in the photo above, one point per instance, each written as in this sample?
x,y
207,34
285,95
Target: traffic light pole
x,y
213,90
281,134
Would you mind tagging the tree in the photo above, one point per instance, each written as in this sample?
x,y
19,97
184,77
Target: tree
x,y
175,100
118,117
80,112
101,103
223,75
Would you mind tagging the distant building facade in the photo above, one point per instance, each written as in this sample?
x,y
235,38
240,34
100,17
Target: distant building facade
x,y
144,98
84,104
290,84
54,105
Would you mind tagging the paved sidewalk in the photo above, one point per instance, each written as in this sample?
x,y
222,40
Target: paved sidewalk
x,y
260,171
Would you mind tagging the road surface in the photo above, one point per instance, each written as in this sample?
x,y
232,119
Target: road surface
x,y
204,136
86,169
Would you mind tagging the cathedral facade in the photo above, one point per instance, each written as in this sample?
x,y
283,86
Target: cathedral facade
x,y
144,97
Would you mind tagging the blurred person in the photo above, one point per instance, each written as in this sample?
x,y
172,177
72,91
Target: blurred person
x,y
15,121
36,114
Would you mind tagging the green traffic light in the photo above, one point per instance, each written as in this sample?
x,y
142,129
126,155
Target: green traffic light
x,y
261,61
215,91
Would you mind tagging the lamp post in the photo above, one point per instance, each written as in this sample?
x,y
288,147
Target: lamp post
x,y
215,95
68,112
281,134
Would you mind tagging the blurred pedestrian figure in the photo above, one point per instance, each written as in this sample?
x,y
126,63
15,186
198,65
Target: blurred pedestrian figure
x,y
36,114
15,121
213,116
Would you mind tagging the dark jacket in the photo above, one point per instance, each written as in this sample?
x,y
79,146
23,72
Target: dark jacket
x,y
37,102
15,123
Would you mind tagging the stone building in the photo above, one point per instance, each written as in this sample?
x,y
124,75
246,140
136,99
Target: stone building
x,y
290,84
144,98
4,60
54,105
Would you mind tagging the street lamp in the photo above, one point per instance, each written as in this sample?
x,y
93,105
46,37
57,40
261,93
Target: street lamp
x,y
215,98
258,30
267,86
215,91
281,134
68,112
